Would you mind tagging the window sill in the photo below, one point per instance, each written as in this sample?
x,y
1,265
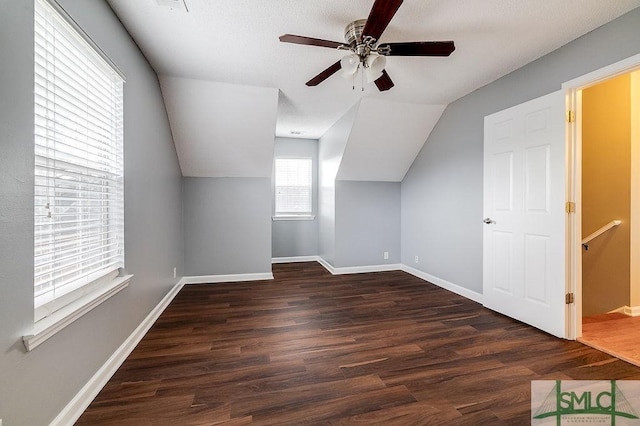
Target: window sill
x,y
294,217
49,326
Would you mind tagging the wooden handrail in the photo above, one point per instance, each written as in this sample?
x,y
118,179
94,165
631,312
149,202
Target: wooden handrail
x,y
601,231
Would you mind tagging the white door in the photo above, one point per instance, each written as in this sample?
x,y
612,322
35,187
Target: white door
x,y
524,211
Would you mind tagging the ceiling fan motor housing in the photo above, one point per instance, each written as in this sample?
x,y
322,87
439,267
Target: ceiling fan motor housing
x,y
353,37
362,46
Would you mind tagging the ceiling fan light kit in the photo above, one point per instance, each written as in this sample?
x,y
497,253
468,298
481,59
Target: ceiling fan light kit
x,y
361,38
349,65
374,66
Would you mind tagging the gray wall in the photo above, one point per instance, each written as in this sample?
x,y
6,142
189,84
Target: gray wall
x,y
35,386
442,192
330,151
367,223
290,238
227,225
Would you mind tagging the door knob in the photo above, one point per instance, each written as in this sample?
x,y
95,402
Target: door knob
x,y
489,221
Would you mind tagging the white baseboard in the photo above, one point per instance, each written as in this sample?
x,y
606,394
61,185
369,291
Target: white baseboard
x,y
210,279
632,311
357,269
294,259
74,409
367,268
469,294
326,265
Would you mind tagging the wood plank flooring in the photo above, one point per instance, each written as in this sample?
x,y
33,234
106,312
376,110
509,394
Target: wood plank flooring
x,y
312,348
615,333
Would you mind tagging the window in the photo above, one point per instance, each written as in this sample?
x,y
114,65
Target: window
x,y
293,187
79,170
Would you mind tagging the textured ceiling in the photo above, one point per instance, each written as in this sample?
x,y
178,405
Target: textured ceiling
x,y
236,41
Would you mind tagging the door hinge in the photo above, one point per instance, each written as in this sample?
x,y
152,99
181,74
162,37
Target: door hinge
x,y
569,298
571,116
570,207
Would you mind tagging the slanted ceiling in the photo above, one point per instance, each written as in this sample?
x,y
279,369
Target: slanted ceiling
x,y
385,139
222,120
227,130
219,129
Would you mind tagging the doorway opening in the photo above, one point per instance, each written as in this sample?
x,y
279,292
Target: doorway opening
x,y
604,233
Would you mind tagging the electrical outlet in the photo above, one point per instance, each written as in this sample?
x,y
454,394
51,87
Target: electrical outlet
x,y
175,274
417,260
385,255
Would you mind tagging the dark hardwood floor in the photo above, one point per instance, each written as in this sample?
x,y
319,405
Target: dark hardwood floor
x,y
311,348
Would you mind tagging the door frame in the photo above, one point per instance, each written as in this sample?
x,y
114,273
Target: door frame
x,y
573,95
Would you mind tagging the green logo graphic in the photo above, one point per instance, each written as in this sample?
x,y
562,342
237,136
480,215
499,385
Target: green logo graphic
x,y
611,403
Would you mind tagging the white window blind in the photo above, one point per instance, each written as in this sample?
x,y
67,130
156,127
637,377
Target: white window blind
x,y
78,202
293,186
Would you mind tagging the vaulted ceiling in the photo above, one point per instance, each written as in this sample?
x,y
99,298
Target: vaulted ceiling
x,y
223,57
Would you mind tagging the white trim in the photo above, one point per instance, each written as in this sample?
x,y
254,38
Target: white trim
x,y
454,288
573,222
598,76
210,279
357,269
74,409
631,311
326,265
293,217
294,259
573,89
49,326
634,222
366,269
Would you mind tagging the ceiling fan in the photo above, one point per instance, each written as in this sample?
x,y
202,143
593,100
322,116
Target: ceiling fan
x,y
361,38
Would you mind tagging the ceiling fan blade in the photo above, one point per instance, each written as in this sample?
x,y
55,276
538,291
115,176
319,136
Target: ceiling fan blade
x,y
379,17
310,41
384,82
324,74
421,48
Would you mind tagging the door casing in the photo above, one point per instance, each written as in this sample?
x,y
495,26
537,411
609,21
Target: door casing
x,y
573,92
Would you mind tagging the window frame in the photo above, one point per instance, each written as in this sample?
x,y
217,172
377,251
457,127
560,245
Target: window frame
x,y
285,215
102,282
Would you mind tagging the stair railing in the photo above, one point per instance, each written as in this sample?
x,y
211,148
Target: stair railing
x,y
599,232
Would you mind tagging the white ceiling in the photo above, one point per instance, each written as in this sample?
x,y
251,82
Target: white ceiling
x,y
236,41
